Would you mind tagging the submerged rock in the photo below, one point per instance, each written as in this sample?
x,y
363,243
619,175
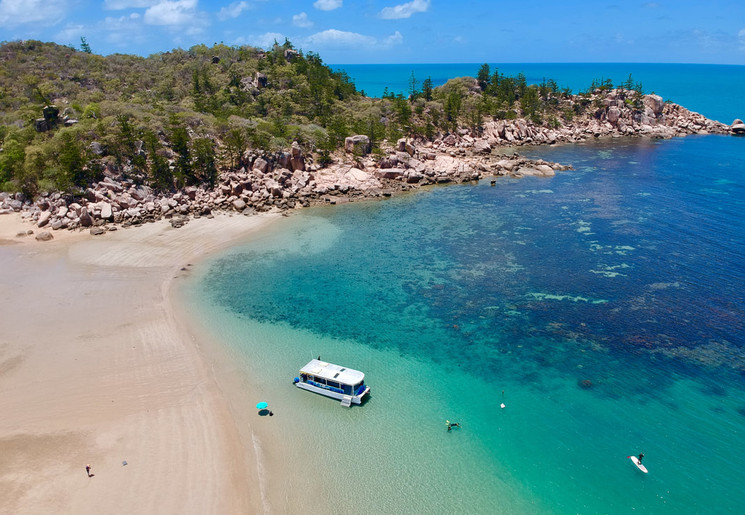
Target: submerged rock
x,y
585,384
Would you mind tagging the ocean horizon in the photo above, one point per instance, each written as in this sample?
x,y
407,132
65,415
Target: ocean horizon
x,y
603,306
703,88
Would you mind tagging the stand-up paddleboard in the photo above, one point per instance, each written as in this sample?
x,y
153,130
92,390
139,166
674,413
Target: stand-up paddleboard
x,y
638,465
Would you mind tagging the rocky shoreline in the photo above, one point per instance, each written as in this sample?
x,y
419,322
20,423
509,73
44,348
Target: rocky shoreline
x,y
288,180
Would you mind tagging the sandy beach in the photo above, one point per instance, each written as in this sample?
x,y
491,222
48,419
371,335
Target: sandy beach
x,y
96,368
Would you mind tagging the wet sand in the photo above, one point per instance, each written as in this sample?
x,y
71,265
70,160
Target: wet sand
x,y
97,367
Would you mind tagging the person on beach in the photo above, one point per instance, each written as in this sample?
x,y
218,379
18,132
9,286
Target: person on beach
x,y
88,470
641,455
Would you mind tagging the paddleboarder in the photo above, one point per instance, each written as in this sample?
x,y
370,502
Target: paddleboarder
x,y
641,455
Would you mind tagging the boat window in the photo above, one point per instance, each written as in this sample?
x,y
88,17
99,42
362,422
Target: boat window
x,y
347,389
359,387
333,383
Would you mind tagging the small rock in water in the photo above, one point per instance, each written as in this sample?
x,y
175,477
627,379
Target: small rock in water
x,y
585,384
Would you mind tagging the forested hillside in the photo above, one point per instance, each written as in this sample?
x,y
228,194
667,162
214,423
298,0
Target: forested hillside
x,y
179,118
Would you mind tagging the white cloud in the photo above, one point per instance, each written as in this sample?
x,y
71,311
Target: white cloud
x,y
233,10
39,12
741,38
179,12
301,20
265,40
327,5
117,5
333,38
394,39
404,10
71,33
124,30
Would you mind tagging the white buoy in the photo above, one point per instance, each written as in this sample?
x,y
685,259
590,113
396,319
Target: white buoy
x,y
502,405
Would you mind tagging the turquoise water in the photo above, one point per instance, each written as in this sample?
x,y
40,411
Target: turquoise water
x,y
711,90
604,306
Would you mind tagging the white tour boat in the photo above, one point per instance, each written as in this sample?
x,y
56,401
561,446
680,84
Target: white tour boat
x,y
333,381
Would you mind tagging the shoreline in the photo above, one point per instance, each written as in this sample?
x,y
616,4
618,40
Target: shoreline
x,y
96,367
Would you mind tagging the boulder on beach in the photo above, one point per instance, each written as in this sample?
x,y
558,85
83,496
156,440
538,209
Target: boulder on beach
x,y
481,147
44,236
85,218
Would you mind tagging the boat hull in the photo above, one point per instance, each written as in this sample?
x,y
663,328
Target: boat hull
x,y
356,399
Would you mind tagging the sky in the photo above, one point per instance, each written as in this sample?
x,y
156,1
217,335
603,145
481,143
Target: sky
x,y
399,31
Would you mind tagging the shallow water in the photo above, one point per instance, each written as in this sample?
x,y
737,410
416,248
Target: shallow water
x,y
604,306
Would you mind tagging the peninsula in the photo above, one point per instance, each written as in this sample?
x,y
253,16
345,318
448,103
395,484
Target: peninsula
x,y
123,140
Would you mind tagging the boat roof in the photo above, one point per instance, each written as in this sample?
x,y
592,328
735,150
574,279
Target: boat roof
x,y
332,372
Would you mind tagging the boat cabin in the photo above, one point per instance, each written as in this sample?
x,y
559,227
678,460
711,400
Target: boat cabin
x,y
333,381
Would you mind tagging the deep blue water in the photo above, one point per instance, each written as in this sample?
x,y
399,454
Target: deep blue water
x,y
607,302
708,89
604,306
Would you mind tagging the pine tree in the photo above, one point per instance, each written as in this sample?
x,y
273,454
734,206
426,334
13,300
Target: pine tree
x,y
84,46
483,76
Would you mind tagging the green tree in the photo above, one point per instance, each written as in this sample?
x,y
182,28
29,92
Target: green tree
x,y
453,104
521,84
413,90
33,166
205,161
530,104
235,141
84,46
12,158
180,145
427,89
483,77
72,161
160,174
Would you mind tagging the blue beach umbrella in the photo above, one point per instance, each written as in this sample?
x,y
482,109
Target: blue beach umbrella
x,y
262,405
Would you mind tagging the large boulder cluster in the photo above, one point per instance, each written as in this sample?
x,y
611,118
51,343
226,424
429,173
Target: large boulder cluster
x,y
613,113
264,182
286,180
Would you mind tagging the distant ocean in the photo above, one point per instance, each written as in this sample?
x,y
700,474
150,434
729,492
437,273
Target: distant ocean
x,y
604,306
711,90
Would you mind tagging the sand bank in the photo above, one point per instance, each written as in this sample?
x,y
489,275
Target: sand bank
x,y
96,368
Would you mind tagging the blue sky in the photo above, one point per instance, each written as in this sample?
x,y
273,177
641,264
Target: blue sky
x,y
400,31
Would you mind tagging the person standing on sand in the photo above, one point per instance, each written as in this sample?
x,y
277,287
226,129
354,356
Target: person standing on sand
x,y
88,471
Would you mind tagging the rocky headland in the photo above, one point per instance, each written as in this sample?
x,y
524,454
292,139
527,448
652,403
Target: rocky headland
x,y
288,180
